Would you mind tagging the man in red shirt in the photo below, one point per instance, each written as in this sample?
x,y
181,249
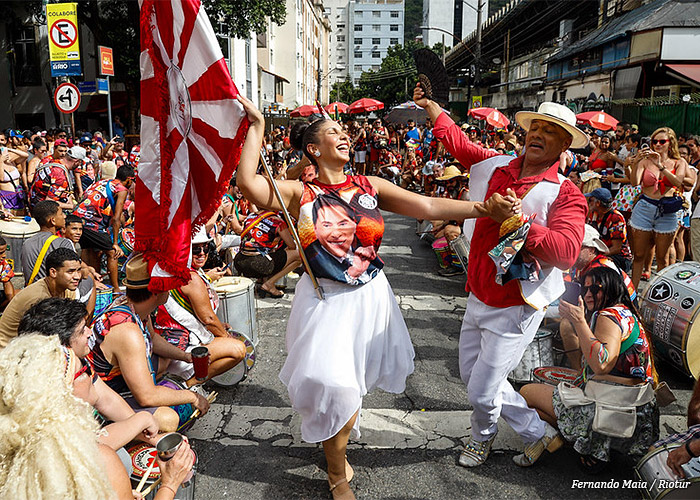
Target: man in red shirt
x,y
501,320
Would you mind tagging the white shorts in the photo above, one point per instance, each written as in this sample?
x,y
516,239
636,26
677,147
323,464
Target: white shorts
x,y
360,156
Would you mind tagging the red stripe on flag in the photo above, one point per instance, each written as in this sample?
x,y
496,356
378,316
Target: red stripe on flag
x,y
202,90
191,10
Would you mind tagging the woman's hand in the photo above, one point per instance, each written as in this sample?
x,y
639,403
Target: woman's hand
x,y
254,115
419,97
571,312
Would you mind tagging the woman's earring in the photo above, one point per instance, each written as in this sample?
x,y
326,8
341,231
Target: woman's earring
x,y
317,154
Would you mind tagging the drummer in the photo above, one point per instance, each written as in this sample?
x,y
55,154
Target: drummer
x,y
6,275
188,319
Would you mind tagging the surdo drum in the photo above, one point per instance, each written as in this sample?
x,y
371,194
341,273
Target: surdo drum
x,y
15,232
141,455
538,353
669,309
239,372
660,481
237,305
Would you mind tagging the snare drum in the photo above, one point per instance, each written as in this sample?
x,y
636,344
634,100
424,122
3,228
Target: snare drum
x,y
443,252
661,482
15,232
102,300
239,372
141,455
552,375
538,353
237,305
184,411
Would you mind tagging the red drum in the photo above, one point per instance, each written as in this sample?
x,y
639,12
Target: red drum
x,y
552,375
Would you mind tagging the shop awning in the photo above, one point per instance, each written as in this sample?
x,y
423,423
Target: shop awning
x,y
689,73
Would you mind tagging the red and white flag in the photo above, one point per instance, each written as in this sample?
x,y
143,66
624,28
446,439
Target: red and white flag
x,y
192,131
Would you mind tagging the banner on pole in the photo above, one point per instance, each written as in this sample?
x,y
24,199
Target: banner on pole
x,y
476,101
106,61
64,48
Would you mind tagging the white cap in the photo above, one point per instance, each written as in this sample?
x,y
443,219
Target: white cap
x,y
591,239
77,153
201,236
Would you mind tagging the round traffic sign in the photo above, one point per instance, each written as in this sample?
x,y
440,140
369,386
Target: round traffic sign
x,y
63,33
67,97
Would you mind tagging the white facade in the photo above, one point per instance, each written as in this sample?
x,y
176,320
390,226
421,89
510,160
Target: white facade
x,y
298,52
337,12
243,65
441,14
372,26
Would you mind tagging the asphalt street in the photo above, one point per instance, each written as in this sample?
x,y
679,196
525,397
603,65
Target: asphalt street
x,y
249,444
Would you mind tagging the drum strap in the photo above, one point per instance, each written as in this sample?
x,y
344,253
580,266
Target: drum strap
x,y
250,226
629,341
40,258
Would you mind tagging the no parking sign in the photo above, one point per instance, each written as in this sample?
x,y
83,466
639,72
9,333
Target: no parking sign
x,y
64,48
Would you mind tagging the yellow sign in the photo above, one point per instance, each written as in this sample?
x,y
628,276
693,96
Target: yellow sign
x,y
476,101
64,48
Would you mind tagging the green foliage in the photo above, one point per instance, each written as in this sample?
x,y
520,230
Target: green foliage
x,y
245,16
413,17
343,92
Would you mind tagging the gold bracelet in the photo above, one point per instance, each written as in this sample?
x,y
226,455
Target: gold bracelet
x,y
166,486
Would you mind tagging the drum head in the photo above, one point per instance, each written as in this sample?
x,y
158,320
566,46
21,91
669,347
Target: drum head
x,y
232,284
141,456
552,375
239,372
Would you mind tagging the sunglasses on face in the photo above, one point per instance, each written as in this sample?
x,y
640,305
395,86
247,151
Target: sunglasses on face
x,y
659,141
199,249
594,289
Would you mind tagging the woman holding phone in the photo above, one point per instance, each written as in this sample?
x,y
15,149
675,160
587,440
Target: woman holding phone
x,y
355,339
616,381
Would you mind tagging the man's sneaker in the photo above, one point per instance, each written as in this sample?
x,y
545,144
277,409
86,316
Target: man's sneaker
x,y
475,453
199,389
551,441
450,271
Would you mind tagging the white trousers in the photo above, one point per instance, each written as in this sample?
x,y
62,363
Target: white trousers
x,y
491,344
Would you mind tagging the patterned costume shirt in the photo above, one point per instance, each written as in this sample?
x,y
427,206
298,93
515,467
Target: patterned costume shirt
x,y
51,182
97,209
6,272
612,226
341,229
263,235
85,170
119,159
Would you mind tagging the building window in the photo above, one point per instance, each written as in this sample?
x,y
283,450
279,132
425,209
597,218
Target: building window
x,y
340,26
376,55
358,68
376,41
375,67
25,60
358,54
394,41
358,27
394,27
376,27
395,13
340,38
376,13
359,13
358,41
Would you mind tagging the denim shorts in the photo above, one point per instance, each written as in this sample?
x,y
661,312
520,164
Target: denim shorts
x,y
645,217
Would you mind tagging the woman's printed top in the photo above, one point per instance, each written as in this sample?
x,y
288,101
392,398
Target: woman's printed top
x,y
341,228
261,232
635,362
96,209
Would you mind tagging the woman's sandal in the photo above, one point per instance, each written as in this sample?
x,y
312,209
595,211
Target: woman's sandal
x,y
347,495
264,293
591,464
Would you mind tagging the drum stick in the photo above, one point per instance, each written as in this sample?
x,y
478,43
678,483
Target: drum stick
x,y
211,398
148,490
145,476
292,227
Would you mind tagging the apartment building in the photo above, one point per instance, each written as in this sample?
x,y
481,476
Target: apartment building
x,y
293,58
456,17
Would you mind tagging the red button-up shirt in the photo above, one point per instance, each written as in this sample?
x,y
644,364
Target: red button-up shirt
x,y
555,245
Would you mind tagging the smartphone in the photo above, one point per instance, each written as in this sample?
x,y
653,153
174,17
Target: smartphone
x,y
572,292
644,146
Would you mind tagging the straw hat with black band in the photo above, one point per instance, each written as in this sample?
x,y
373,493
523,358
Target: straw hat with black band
x,y
450,173
137,275
557,114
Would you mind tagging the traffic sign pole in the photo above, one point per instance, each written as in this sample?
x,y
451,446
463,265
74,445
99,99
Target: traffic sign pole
x,y
109,108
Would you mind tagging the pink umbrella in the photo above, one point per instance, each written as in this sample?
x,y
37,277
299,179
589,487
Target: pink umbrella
x,y
491,115
365,105
305,110
341,106
597,119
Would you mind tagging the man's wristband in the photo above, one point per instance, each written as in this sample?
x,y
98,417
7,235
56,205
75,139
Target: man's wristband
x,y
690,452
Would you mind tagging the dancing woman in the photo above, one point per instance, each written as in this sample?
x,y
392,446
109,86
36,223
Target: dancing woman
x,y
342,347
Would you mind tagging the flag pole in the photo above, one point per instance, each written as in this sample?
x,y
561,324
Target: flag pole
x,y
292,227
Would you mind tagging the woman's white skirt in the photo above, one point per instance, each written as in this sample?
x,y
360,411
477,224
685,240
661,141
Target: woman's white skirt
x,y
341,348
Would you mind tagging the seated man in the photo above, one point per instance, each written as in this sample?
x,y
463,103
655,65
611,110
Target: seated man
x,y
66,319
593,254
125,354
188,319
61,281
